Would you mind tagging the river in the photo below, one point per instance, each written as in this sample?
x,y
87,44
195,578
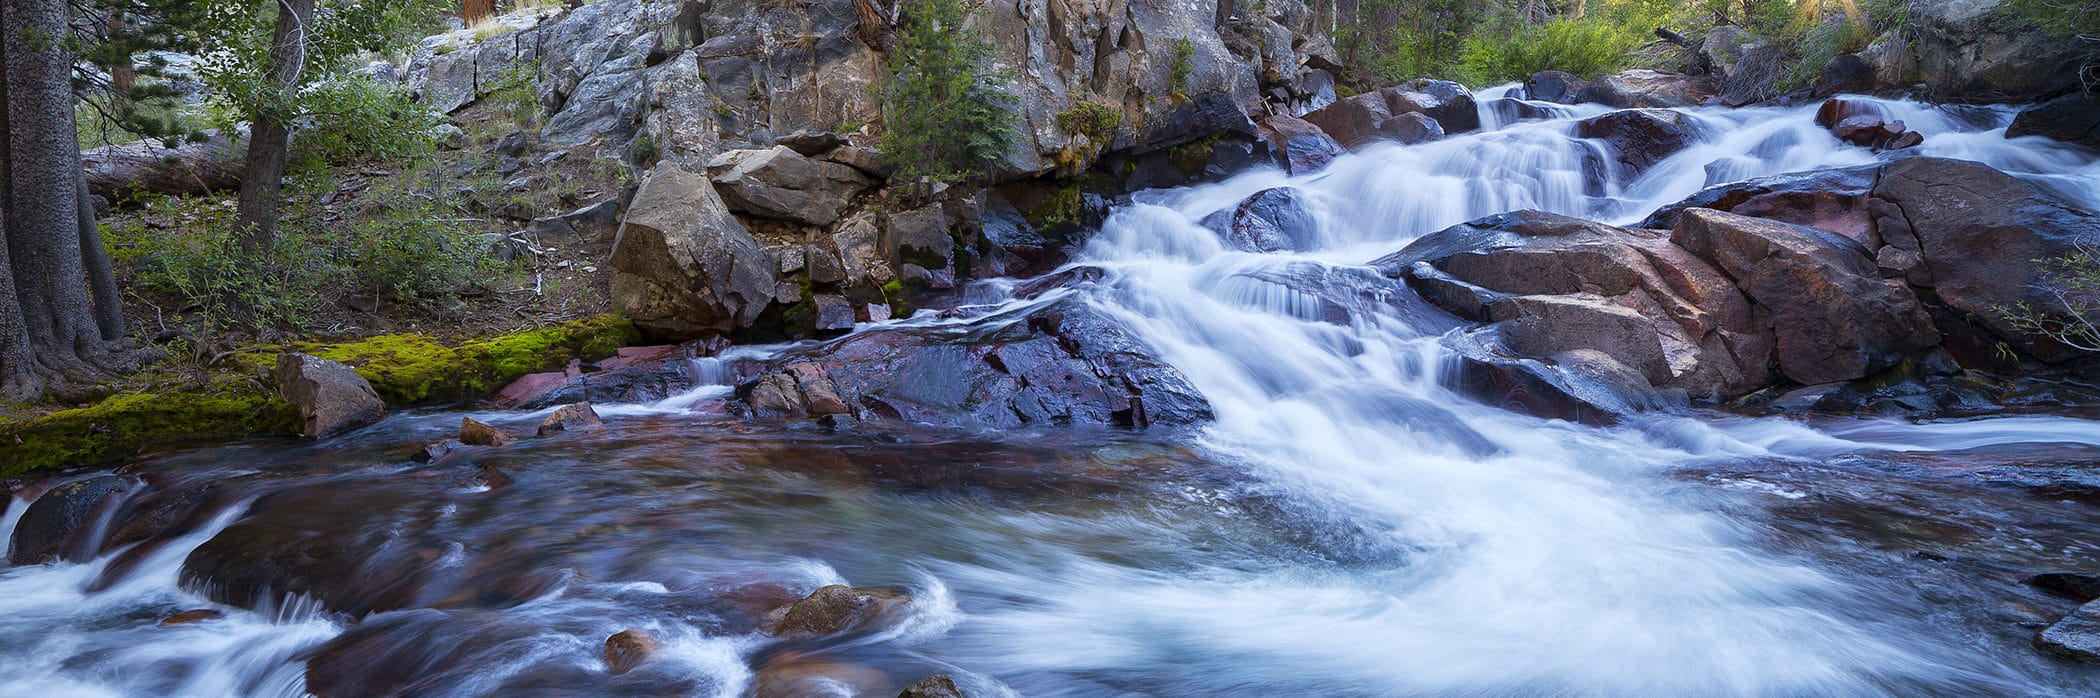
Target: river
x,y
1346,526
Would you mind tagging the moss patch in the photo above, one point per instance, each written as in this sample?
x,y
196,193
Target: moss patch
x,y
117,426
405,369
414,369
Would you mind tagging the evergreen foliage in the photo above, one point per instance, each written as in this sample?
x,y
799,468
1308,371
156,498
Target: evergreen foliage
x,y
945,117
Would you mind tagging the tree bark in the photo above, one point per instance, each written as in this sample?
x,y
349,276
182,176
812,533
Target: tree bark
x,y
43,176
102,283
20,377
262,171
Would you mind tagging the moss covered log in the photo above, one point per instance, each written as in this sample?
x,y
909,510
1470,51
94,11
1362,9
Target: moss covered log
x,y
405,369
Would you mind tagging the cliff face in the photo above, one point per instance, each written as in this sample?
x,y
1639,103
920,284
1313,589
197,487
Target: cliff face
x,y
701,78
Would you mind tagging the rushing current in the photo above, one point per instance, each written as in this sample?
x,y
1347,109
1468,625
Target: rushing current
x,y
1346,526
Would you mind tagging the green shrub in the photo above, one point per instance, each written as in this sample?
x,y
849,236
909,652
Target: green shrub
x,y
196,264
945,117
1583,47
413,253
355,118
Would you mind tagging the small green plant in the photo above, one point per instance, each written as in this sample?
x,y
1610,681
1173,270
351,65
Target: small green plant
x,y
1183,71
644,148
1583,47
2071,312
945,115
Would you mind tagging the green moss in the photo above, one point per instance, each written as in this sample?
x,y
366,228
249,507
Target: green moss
x,y
1064,207
1191,156
414,369
118,425
405,369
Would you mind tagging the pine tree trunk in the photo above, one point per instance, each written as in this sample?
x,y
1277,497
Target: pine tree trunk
x,y
262,172
102,283
43,175
20,377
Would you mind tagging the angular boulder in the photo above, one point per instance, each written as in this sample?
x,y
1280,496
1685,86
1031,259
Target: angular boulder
x,y
1833,317
1557,284
778,182
1553,86
1056,365
1968,51
1645,89
1639,138
1271,220
2072,118
1300,146
683,267
1834,200
1449,103
1367,119
332,398
2077,636
578,417
1976,234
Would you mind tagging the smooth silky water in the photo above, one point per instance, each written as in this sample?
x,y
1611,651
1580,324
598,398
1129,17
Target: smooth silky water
x,y
1346,526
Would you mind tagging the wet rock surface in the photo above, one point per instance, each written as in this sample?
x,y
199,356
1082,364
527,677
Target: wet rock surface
x,y
1639,138
1059,364
56,524
1269,221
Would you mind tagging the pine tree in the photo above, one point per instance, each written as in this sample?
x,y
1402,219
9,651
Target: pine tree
x,y
945,117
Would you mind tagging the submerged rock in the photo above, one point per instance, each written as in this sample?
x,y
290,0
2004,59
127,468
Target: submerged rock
x,y
2077,636
836,609
627,649
332,398
936,686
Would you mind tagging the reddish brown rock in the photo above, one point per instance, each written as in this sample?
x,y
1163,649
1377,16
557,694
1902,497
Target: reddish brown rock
x,y
474,432
528,388
627,649
835,609
1832,315
191,616
936,686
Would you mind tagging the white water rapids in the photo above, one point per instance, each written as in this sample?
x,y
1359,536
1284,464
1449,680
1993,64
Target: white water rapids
x,y
1473,551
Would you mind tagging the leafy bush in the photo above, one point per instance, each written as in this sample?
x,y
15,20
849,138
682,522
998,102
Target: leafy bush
x,y
355,118
413,253
1582,47
945,116
196,264
2060,17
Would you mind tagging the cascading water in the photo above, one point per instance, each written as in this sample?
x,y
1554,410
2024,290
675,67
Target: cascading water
x,y
1379,534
